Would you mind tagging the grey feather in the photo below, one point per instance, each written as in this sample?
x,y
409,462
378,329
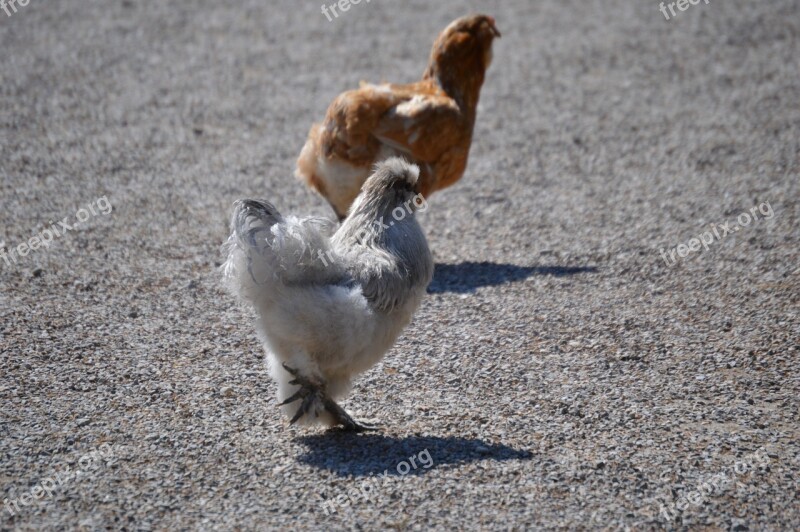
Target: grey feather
x,y
332,301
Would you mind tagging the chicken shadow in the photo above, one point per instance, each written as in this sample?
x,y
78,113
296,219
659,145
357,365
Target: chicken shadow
x,y
371,454
466,277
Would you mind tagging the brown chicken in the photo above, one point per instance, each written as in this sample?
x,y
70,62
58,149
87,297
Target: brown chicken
x,y
429,122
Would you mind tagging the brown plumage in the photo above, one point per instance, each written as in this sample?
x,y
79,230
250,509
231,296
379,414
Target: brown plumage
x,y
429,122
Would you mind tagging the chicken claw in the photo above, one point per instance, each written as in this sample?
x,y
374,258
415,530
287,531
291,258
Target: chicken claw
x,y
311,392
347,422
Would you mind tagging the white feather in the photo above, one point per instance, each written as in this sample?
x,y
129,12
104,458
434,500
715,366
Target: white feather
x,y
329,304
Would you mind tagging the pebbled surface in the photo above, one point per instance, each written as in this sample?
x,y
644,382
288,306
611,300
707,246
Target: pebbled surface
x,y
560,375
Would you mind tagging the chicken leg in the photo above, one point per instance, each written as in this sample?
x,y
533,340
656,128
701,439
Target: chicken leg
x,y
311,392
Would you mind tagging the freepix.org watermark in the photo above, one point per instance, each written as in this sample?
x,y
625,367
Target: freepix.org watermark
x,y
45,488
44,238
718,231
368,489
342,5
10,6
399,213
682,5
713,486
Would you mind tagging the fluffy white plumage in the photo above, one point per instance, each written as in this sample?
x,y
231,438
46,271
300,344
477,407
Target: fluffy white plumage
x,y
331,302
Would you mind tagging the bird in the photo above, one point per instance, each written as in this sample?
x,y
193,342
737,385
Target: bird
x,y
331,299
429,122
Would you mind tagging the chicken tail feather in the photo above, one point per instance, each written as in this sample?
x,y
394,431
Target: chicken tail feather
x,y
267,252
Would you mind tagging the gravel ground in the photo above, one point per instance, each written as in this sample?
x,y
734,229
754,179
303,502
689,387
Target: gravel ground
x,y
561,374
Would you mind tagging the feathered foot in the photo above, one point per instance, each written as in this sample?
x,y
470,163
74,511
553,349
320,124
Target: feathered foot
x,y
310,392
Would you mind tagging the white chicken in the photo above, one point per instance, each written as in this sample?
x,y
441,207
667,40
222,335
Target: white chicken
x,y
331,304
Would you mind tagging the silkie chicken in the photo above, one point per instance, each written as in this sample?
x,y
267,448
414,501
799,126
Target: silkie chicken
x,y
429,122
331,304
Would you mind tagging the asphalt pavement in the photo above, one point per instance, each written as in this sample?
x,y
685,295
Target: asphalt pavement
x,y
610,340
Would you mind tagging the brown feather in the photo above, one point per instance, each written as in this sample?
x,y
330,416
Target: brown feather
x,y
429,122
